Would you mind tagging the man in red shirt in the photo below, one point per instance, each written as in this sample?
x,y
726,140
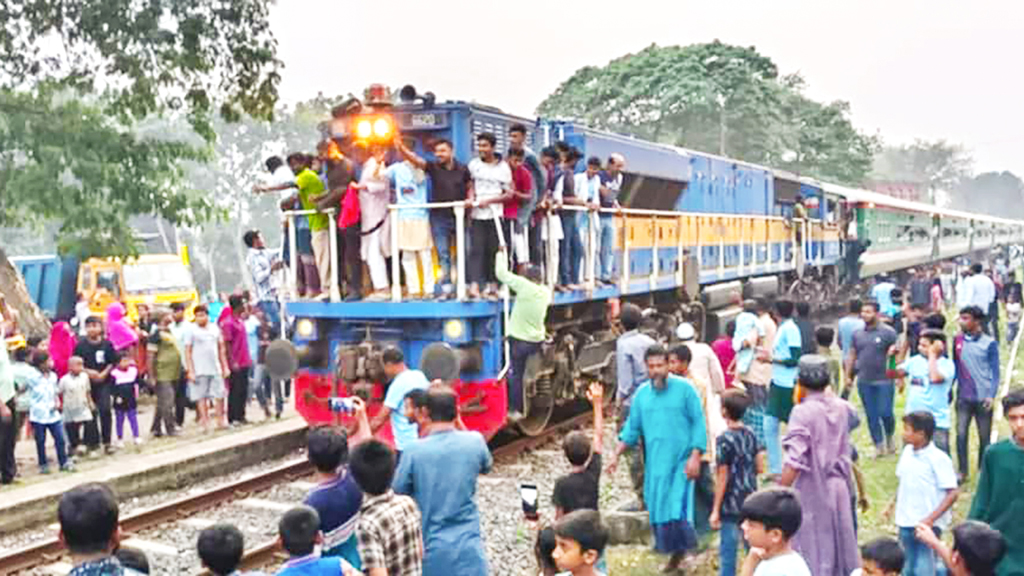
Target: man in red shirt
x,y
522,191
239,361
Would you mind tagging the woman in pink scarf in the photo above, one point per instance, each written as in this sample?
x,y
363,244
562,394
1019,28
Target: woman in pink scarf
x,y
120,333
61,347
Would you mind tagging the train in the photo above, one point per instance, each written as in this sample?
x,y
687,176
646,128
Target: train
x,y
694,229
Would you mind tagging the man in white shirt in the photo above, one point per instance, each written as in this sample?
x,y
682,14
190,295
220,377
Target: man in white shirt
x,y
492,186
980,291
282,180
588,189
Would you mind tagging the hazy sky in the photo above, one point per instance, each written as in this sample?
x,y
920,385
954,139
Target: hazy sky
x,y
909,69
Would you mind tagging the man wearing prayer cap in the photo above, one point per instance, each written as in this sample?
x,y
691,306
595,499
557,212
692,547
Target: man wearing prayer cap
x,y
817,463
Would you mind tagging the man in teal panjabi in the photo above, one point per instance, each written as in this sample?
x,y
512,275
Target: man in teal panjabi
x,y
666,411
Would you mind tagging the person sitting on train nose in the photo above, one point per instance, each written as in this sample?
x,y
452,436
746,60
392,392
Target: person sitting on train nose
x,y
526,323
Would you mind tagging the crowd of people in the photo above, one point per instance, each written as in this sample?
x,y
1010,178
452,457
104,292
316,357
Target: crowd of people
x,y
773,408
81,385
749,436
509,193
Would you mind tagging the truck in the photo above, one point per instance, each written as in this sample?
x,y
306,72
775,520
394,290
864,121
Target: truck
x,y
54,282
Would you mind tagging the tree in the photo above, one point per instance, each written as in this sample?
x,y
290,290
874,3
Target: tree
x,y
995,193
819,139
725,99
80,85
238,163
938,165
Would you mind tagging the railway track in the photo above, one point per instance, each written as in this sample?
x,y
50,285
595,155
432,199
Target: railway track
x,y
51,551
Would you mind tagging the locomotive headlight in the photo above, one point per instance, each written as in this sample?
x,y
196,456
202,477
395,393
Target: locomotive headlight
x,y
454,329
364,129
382,128
305,328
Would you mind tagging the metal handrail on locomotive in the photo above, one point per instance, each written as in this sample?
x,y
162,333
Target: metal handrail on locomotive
x,y
694,229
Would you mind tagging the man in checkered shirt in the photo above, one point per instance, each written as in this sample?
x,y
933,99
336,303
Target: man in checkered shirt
x,y
389,530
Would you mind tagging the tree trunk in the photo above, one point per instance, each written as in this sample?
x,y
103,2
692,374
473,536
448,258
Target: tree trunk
x,y
31,319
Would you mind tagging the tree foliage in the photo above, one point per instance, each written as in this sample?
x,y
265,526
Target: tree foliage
x,y
238,163
81,84
718,98
937,164
996,193
147,55
68,163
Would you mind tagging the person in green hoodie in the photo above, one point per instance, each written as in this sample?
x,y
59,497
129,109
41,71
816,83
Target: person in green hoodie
x,y
999,500
525,328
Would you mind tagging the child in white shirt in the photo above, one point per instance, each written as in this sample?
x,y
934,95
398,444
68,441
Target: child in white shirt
x,y
74,388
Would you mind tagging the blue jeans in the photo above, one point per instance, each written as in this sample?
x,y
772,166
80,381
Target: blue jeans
x,y
919,559
729,539
57,431
572,251
272,311
442,228
1011,330
773,443
607,240
877,398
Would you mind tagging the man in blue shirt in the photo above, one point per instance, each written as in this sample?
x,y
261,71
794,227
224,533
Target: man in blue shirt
x,y
930,374
976,355
785,361
882,293
848,325
440,471
402,381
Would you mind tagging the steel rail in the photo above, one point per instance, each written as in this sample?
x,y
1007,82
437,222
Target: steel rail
x,y
51,549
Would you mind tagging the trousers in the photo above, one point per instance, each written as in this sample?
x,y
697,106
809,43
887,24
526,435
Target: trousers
x,y
8,439
918,558
520,350
350,264
606,239
102,423
74,433
877,398
412,276
57,431
181,401
572,251
163,418
322,255
967,410
370,248
238,392
482,248
442,228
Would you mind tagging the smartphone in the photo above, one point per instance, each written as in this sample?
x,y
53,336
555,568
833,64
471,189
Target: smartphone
x,y
528,493
343,405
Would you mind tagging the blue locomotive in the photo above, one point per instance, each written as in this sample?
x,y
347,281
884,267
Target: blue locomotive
x,y
694,228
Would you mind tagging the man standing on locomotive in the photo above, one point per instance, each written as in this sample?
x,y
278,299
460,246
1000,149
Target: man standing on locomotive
x,y
450,182
526,323
492,186
517,141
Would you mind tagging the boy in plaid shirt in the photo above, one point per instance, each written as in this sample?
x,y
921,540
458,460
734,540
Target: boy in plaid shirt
x,y
389,529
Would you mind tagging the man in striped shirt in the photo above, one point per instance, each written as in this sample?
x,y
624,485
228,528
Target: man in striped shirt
x,y
336,497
